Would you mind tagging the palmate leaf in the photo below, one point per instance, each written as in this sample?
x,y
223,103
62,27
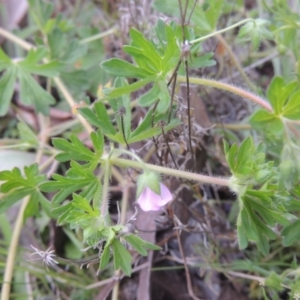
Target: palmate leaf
x,y
256,218
257,31
278,93
152,66
267,121
16,186
99,118
31,64
76,150
78,178
31,93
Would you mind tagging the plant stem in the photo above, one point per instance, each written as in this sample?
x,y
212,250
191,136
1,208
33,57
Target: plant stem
x,y
229,88
168,171
105,192
203,38
9,265
98,36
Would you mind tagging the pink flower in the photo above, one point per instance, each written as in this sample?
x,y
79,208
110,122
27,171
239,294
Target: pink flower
x,y
148,200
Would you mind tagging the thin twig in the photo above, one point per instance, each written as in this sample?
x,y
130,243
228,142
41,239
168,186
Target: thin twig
x,y
186,268
168,146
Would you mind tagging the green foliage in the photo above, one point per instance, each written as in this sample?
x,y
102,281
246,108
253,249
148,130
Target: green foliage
x,y
152,66
30,91
265,181
257,31
260,209
83,210
247,164
284,99
274,281
146,129
17,186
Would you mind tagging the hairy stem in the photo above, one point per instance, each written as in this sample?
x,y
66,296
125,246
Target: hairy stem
x,y
229,88
168,171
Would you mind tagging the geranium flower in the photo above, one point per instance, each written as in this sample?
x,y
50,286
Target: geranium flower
x,y
149,200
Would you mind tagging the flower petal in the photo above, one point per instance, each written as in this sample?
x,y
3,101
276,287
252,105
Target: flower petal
x,y
164,197
146,200
149,200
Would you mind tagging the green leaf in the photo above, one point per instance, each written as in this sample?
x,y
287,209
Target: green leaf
x,y
99,119
164,97
122,258
7,82
16,187
139,244
292,108
31,64
98,142
72,151
274,281
41,12
77,178
164,102
213,12
105,256
27,135
202,61
244,153
5,61
146,124
257,31
148,50
278,93
11,198
172,52
117,92
32,93
291,233
82,204
264,120
231,156
32,207
150,97
139,135
77,81
242,237
121,68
